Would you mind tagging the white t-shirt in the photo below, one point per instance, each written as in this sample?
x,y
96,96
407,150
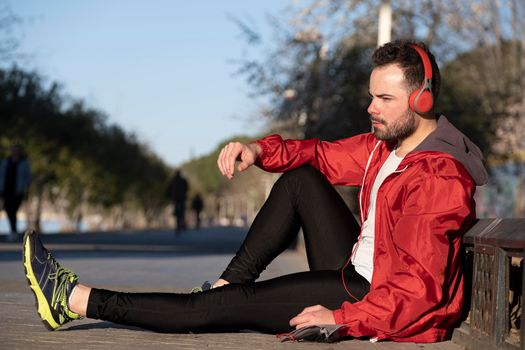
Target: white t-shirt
x,y
363,258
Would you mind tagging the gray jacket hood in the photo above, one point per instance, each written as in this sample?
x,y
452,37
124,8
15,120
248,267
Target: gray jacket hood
x,y
446,138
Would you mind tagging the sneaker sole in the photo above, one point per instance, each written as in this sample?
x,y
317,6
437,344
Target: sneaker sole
x,y
44,311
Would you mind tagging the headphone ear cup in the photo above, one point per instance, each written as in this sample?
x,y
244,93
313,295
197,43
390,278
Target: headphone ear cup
x,y
421,101
412,99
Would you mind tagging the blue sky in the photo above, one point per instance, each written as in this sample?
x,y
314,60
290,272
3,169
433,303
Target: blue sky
x,y
160,69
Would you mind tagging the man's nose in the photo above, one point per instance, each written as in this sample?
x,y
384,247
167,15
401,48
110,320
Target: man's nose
x,y
372,108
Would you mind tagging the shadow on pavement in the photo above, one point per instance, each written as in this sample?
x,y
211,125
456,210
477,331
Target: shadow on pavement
x,y
101,325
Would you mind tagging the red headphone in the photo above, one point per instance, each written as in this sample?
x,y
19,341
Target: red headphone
x,y
421,100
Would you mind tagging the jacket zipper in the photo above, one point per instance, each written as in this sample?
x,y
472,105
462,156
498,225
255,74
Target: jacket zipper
x,y
361,216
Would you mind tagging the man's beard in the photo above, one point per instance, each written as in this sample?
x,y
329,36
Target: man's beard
x,y
398,130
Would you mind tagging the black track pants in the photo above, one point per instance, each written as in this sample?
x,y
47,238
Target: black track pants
x,y
300,198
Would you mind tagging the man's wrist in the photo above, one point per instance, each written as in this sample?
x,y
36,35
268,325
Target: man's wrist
x,y
256,148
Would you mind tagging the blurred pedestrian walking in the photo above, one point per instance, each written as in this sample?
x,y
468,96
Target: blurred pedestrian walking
x,y
177,191
197,206
15,177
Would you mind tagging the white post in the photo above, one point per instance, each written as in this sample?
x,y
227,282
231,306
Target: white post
x,y
384,32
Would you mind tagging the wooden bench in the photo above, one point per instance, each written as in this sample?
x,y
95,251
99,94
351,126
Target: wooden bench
x,y
494,281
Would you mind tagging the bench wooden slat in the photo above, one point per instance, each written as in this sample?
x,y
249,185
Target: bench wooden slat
x,y
502,233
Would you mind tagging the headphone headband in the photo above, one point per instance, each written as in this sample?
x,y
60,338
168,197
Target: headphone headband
x,y
427,66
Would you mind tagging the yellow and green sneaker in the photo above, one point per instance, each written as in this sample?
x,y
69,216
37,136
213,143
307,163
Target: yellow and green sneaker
x,y
50,283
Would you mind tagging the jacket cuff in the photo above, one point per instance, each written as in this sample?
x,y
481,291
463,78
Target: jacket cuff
x,y
265,151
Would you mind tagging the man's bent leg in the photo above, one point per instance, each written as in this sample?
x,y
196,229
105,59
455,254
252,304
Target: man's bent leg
x,y
300,198
265,306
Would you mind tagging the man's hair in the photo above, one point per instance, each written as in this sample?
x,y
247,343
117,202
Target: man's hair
x,y
399,52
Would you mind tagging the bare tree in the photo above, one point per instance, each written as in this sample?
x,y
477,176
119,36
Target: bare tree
x,y
9,42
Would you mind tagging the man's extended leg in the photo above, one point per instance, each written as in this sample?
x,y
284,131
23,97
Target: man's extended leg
x,y
300,198
265,306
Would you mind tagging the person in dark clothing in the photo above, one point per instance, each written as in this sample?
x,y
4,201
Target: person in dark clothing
x,y
177,191
197,205
15,177
394,275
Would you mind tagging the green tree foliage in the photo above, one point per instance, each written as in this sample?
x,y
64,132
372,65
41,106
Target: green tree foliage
x,y
342,96
203,172
479,91
75,154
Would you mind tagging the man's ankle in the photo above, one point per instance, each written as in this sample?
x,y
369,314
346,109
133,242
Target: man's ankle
x,y
78,299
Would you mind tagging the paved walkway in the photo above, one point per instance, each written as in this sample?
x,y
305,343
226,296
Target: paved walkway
x,y
142,261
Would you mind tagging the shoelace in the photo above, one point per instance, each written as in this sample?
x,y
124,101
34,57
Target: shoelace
x,y
61,276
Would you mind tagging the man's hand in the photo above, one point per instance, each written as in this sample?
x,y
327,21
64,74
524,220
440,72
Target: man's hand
x,y
246,154
312,316
220,282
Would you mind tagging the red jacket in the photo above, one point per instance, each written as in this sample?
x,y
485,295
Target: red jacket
x,y
423,209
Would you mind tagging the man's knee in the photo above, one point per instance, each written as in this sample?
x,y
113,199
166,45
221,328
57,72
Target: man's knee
x,y
304,174
305,171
